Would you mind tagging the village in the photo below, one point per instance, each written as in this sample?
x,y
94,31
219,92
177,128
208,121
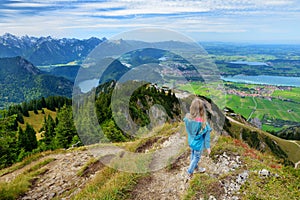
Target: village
x,y
261,91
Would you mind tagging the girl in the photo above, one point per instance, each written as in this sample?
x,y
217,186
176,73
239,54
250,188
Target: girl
x,y
198,134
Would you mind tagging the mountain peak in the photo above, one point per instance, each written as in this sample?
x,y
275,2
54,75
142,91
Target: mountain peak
x,y
29,67
46,50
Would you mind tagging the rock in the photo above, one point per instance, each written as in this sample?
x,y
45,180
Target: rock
x,y
211,197
51,195
264,173
242,178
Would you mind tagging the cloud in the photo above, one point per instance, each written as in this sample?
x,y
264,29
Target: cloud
x,y
64,18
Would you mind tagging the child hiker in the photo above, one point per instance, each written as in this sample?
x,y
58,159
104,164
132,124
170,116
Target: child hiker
x,y
198,131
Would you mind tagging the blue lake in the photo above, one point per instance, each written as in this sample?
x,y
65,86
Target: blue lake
x,y
249,63
87,85
264,79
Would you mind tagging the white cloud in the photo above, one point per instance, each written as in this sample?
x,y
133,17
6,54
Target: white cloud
x,y
206,16
29,5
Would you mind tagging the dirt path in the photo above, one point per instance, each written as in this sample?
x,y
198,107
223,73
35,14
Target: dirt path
x,y
171,184
60,177
12,175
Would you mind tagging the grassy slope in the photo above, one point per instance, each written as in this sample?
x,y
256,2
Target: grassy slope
x,y
111,184
286,186
37,120
289,147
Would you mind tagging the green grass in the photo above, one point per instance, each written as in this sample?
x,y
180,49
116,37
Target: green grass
x,y
289,147
286,186
18,186
109,184
37,120
117,184
26,161
293,94
268,128
209,89
86,166
275,109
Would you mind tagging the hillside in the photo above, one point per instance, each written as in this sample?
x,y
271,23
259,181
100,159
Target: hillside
x,y
153,167
21,81
234,171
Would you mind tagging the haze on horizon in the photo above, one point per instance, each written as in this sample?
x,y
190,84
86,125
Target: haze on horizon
x,y
269,21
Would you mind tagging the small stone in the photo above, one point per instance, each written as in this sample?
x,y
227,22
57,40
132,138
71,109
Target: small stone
x,y
51,195
211,197
264,173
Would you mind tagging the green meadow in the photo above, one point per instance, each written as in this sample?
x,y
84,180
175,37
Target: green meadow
x,y
282,111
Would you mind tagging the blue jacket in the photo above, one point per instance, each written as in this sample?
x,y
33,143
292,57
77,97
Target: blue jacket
x,y
198,139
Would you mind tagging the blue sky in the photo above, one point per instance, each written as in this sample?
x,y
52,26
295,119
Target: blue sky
x,y
268,21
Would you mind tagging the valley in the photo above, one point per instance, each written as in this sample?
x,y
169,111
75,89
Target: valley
x,y
121,136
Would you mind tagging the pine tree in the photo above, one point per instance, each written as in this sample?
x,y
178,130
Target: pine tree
x,y
65,129
25,109
22,139
43,102
8,141
49,131
31,138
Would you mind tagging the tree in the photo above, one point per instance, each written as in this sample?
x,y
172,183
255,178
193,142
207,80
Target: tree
x,y
22,139
8,141
65,129
112,132
25,109
48,131
31,141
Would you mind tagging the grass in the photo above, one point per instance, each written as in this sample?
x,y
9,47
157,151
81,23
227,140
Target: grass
x,y
86,166
18,186
286,186
275,109
110,183
37,120
289,147
293,94
204,186
25,162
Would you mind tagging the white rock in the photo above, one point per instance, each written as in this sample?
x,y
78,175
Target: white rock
x,y
264,173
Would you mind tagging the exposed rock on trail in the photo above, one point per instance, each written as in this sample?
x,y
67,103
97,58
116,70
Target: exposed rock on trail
x,y
60,177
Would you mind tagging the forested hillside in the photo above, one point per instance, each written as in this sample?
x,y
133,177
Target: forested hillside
x,y
21,81
60,132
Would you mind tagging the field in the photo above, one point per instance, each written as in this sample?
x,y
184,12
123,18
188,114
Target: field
x,y
276,110
293,94
36,120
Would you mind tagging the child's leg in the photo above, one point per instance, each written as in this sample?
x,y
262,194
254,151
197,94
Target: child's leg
x,y
194,161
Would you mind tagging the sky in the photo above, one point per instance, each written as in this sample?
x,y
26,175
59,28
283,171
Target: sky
x,y
259,21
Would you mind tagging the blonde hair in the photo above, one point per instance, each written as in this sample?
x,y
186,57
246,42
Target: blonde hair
x,y
197,109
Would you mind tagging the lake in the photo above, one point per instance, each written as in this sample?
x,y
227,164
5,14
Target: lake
x,y
264,79
249,63
87,85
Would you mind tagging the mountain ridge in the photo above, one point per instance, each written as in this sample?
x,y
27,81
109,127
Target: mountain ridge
x,y
21,81
47,50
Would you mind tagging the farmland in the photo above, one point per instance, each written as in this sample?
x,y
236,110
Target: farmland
x,y
276,107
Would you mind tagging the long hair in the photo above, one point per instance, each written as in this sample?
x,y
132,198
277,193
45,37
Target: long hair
x,y
197,109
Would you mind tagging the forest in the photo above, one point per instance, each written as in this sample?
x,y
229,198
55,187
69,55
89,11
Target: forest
x,y
16,143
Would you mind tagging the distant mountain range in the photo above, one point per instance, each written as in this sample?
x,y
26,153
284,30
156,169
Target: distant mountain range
x,y
21,81
46,50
